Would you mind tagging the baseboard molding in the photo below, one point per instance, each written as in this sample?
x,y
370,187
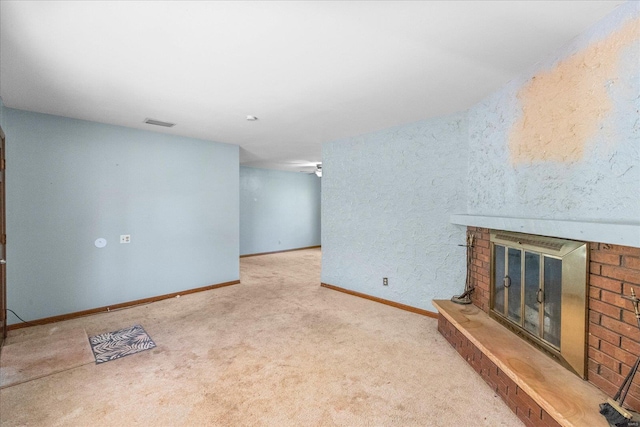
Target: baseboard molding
x,y
383,301
108,308
279,252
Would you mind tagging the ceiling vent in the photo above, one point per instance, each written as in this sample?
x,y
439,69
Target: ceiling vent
x,y
159,123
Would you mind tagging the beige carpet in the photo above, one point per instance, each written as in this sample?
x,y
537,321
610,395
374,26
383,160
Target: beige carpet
x,y
276,350
28,360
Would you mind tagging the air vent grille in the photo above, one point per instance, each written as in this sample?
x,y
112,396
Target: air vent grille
x,y
159,123
539,243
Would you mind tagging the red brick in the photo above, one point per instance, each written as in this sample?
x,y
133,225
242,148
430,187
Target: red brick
x,y
631,346
483,286
614,299
594,318
629,317
606,283
632,402
604,385
594,342
502,390
604,308
605,334
614,378
605,257
482,243
549,421
594,292
523,414
626,290
505,384
634,390
617,353
484,257
629,331
604,359
631,262
535,411
624,370
628,275
595,268
622,250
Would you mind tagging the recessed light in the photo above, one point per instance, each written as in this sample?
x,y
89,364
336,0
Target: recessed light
x,y
252,118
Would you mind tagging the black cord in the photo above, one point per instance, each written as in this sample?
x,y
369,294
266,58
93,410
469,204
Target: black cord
x,y
15,314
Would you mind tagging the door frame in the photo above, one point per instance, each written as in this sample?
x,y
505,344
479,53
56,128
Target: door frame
x,y
3,243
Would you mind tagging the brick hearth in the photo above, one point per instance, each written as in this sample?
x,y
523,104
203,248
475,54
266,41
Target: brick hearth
x,y
613,334
526,408
612,330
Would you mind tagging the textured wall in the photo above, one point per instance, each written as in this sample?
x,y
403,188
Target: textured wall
x,y
278,210
70,182
563,141
386,201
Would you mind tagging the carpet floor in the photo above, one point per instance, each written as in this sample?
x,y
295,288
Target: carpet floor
x,y
275,350
59,351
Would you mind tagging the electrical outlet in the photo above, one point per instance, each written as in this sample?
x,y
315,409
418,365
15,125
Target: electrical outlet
x,y
125,238
385,281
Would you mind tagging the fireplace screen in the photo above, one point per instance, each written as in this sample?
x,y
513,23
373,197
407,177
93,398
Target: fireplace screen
x,y
539,290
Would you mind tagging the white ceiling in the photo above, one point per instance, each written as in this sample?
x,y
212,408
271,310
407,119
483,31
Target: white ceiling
x,y
311,72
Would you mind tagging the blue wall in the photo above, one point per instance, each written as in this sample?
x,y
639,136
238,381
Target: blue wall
x,y
70,182
562,141
386,201
387,196
278,210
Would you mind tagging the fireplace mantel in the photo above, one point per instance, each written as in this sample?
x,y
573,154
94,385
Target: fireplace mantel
x,y
617,233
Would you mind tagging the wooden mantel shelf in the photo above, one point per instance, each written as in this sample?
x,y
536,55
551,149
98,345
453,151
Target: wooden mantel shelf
x,y
567,398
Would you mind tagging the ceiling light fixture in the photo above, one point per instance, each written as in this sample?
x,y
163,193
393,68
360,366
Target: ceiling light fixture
x,y
159,123
252,118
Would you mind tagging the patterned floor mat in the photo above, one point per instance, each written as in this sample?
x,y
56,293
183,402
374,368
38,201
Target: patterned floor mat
x,y
114,345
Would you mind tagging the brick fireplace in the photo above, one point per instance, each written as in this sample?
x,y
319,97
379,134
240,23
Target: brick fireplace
x,y
612,331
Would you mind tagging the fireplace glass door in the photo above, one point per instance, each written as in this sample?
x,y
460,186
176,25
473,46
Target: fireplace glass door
x,y
538,290
528,286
